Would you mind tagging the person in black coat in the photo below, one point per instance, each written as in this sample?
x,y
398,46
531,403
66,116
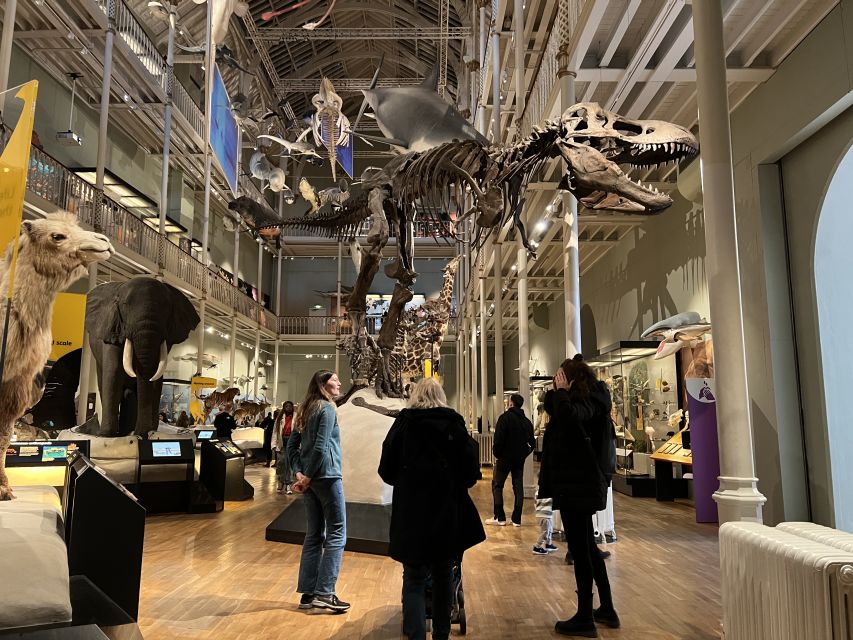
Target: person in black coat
x,y
267,425
514,441
572,476
430,461
225,424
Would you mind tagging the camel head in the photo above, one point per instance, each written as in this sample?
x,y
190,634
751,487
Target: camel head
x,y
57,247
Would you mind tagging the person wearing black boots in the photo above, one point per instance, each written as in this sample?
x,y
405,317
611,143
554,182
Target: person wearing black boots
x,y
572,475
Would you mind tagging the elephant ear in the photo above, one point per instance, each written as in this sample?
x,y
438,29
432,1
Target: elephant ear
x,y
183,316
103,316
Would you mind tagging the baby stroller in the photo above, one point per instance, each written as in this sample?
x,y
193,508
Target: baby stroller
x,y
457,599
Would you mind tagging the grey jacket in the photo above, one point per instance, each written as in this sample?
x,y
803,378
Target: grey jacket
x,y
316,450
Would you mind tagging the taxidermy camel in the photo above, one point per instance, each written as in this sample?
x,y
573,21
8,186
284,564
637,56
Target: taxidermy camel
x,y
52,254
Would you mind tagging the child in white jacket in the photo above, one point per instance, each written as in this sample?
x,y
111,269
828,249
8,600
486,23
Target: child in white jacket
x,y
545,515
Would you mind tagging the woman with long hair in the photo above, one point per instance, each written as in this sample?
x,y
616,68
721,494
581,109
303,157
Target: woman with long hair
x,y
572,476
430,461
314,452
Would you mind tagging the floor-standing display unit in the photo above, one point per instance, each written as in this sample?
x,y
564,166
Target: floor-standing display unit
x,y
645,395
222,471
104,532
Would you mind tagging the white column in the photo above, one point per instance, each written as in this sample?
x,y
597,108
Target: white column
x,y
484,34
236,282
475,407
6,47
167,132
276,368
499,330
260,310
496,83
208,104
520,80
484,354
338,311
571,247
524,359
100,169
738,497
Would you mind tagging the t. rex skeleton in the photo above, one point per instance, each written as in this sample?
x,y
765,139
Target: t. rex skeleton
x,y
593,142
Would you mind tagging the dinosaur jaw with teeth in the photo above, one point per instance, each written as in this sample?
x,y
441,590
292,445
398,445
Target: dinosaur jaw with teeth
x,y
599,183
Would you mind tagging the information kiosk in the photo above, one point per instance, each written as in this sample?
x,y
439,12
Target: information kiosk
x,y
223,470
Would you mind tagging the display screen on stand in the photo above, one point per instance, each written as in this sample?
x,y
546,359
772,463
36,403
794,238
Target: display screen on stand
x,y
204,435
166,449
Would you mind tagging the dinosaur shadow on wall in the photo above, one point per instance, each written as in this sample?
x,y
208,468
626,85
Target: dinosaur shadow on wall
x,y
685,251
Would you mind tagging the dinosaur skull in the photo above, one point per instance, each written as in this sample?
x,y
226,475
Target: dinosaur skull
x,y
595,141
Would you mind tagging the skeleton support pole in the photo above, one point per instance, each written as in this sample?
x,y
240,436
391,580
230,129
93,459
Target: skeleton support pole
x,y
571,246
738,497
100,169
499,335
338,307
208,107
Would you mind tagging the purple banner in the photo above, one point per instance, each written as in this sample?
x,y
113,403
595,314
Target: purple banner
x,y
702,404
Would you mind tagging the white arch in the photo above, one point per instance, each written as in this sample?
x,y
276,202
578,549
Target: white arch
x,y
833,273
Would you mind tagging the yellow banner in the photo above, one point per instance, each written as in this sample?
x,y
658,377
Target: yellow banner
x,y
69,313
14,164
196,385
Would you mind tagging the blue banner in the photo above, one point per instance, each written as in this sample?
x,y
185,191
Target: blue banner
x,y
223,132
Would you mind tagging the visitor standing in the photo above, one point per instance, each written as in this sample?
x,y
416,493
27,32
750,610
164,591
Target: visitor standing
x,y
572,475
514,441
224,424
430,461
314,450
183,421
267,425
282,430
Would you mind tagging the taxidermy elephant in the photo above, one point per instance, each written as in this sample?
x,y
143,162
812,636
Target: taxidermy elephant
x,y
132,326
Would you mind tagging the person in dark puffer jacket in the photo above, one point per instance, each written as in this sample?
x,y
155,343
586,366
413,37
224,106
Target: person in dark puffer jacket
x,y
430,461
571,476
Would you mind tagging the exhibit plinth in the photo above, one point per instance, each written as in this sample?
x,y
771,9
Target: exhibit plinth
x,y
636,486
367,526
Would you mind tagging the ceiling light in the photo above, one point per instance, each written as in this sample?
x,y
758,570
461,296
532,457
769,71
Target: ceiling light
x,y
210,329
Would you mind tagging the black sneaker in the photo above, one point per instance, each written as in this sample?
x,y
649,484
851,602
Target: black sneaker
x,y
330,602
607,618
539,551
610,538
306,601
551,548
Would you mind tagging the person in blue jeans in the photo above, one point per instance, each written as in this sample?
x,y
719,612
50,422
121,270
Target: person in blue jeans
x,y
314,451
430,461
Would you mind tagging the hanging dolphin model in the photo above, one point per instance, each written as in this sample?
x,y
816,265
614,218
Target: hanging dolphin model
x,y
676,332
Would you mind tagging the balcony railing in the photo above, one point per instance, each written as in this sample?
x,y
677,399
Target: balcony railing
x,y
328,325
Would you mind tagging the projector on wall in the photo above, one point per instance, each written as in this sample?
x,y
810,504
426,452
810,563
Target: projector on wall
x,y
68,138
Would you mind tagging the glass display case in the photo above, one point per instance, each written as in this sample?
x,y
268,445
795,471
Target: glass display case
x,y
645,394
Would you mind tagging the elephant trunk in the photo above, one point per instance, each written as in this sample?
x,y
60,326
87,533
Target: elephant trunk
x,y
148,355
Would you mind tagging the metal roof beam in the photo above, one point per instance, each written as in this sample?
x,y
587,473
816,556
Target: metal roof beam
x,y
290,34
342,85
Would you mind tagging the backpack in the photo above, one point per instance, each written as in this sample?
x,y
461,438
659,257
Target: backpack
x,y
606,457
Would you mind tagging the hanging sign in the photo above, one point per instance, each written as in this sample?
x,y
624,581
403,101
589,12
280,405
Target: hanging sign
x,y
66,326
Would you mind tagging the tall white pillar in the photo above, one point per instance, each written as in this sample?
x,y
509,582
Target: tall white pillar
x,y
738,497
208,106
484,354
499,330
571,246
236,282
6,47
276,368
496,83
338,310
484,34
524,358
167,133
475,407
260,311
520,80
100,170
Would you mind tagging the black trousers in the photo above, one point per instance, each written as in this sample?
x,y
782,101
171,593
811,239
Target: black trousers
x,y
414,599
502,471
589,565
268,445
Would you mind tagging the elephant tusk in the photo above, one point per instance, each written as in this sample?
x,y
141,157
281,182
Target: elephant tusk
x,y
127,358
161,366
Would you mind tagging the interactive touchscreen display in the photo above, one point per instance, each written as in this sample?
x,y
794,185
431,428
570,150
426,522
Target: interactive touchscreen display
x,y
163,449
204,435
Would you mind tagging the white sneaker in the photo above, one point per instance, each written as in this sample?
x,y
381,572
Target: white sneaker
x,y
515,524
500,523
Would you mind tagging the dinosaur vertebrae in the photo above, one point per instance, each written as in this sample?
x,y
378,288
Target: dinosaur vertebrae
x,y
343,223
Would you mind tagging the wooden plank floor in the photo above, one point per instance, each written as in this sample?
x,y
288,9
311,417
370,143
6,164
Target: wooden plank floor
x,y
214,576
